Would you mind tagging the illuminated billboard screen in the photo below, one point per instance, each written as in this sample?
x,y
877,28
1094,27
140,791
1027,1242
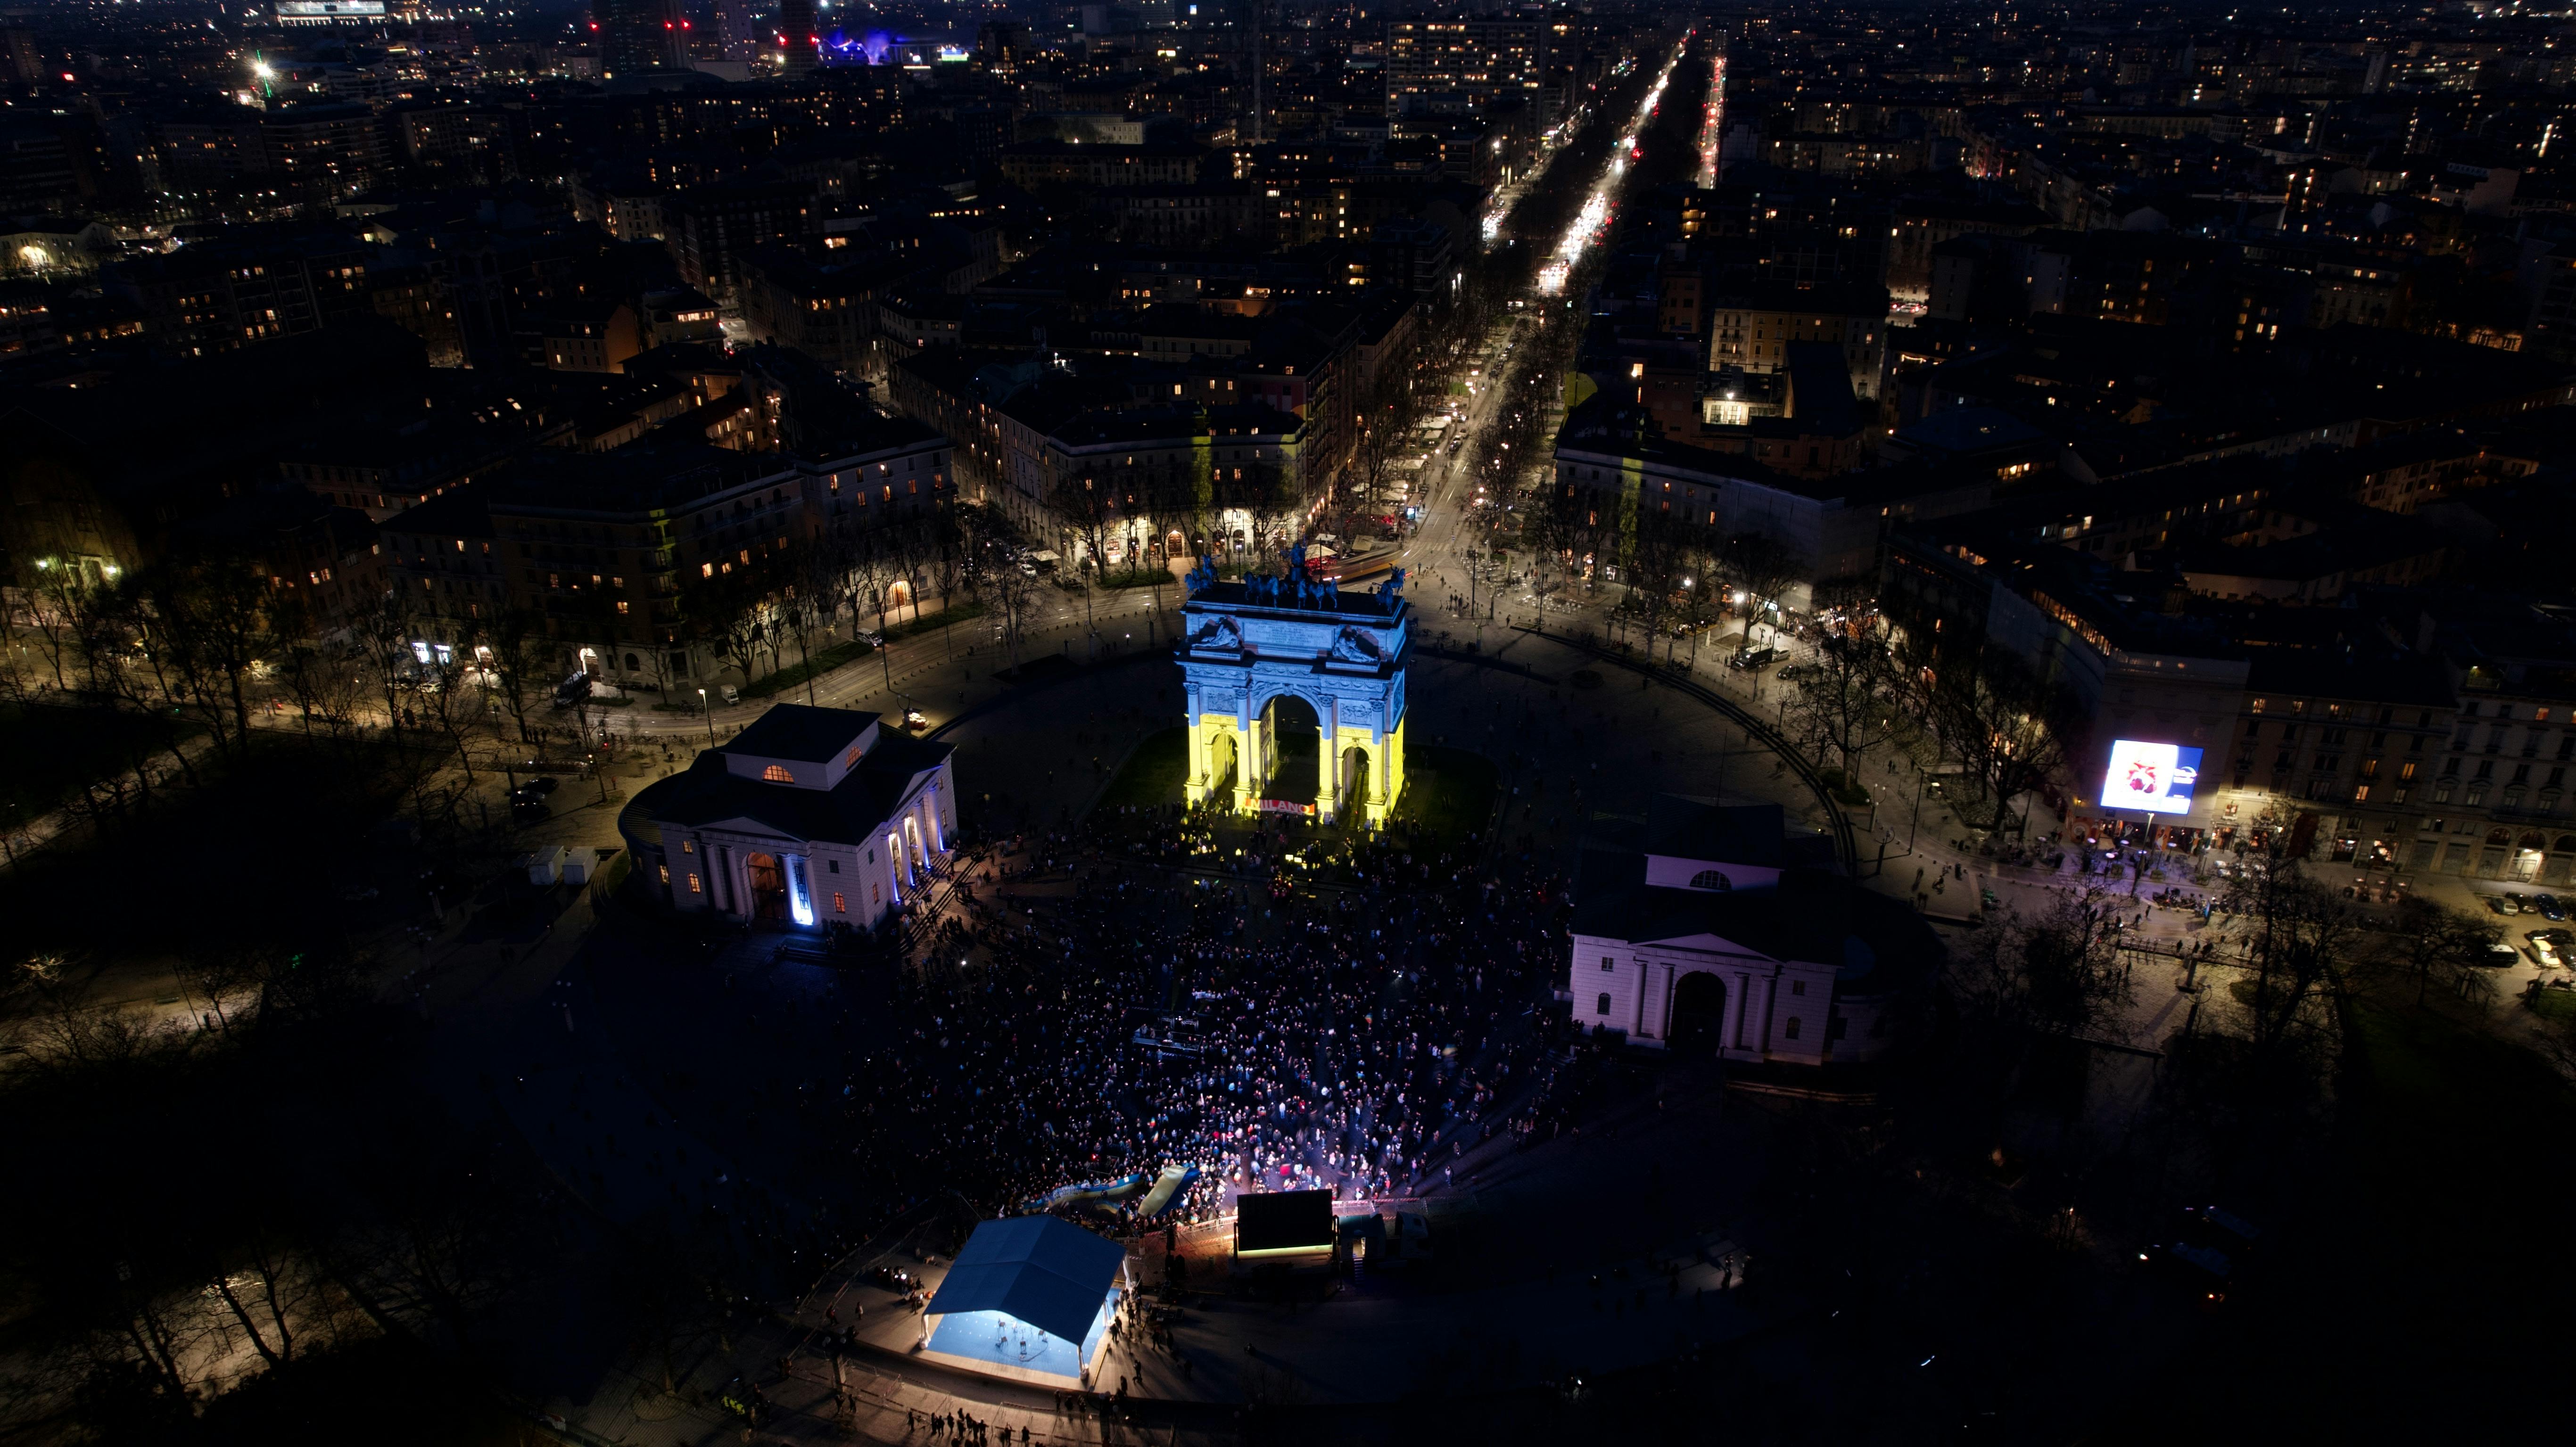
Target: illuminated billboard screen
x,y
2157,778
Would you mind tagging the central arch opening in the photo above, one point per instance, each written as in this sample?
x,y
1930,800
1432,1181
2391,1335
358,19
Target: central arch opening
x,y
1222,763
1291,740
1699,1012
768,887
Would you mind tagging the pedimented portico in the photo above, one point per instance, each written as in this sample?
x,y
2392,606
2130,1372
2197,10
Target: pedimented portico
x,y
1722,935
810,817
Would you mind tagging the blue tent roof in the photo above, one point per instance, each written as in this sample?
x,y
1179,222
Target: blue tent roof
x,y
1049,1273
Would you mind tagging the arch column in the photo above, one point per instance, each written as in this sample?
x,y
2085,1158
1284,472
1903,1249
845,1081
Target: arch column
x,y
1195,740
1252,773
1328,757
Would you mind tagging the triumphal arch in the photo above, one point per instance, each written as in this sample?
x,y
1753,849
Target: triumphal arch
x,y
1266,659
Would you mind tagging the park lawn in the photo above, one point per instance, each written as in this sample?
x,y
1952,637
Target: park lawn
x,y
1448,793
931,622
53,751
2554,1005
1152,774
2417,1291
1138,578
795,674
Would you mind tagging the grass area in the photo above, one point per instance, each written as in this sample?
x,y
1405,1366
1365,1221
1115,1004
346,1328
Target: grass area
x,y
52,752
262,839
1152,774
1137,578
2414,1291
1846,792
1448,793
795,674
2554,1005
932,622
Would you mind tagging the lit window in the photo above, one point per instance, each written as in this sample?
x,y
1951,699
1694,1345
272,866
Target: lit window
x,y
777,774
688,846
694,887
840,903
666,875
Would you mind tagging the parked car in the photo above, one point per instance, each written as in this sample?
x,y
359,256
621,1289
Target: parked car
x,y
1791,672
2501,903
731,693
2504,956
2199,1269
2549,907
541,784
1752,657
2219,1229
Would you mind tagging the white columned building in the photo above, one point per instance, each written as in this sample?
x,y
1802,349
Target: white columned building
x,y
1726,934
809,818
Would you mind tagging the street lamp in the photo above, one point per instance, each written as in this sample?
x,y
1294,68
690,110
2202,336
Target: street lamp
x,y
709,710
1917,816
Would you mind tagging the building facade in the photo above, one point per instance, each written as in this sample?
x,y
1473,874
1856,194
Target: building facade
x,y
1260,656
1723,936
809,819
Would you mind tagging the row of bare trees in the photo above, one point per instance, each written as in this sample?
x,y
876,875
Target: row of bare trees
x,y
152,1280
2290,954
1983,706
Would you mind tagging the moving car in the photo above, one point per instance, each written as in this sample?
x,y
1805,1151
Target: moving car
x,y
1752,657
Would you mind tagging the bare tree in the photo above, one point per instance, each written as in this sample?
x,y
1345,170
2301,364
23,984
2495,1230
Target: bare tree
x,y
1086,507
380,633
1837,699
2029,978
2302,952
2003,721
519,655
220,617
1764,568
2431,942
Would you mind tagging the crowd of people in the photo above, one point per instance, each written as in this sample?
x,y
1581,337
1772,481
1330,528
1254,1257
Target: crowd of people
x,y
1083,1014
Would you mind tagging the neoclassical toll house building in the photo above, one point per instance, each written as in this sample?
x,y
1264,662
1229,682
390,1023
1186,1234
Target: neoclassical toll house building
x,y
1726,934
810,817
